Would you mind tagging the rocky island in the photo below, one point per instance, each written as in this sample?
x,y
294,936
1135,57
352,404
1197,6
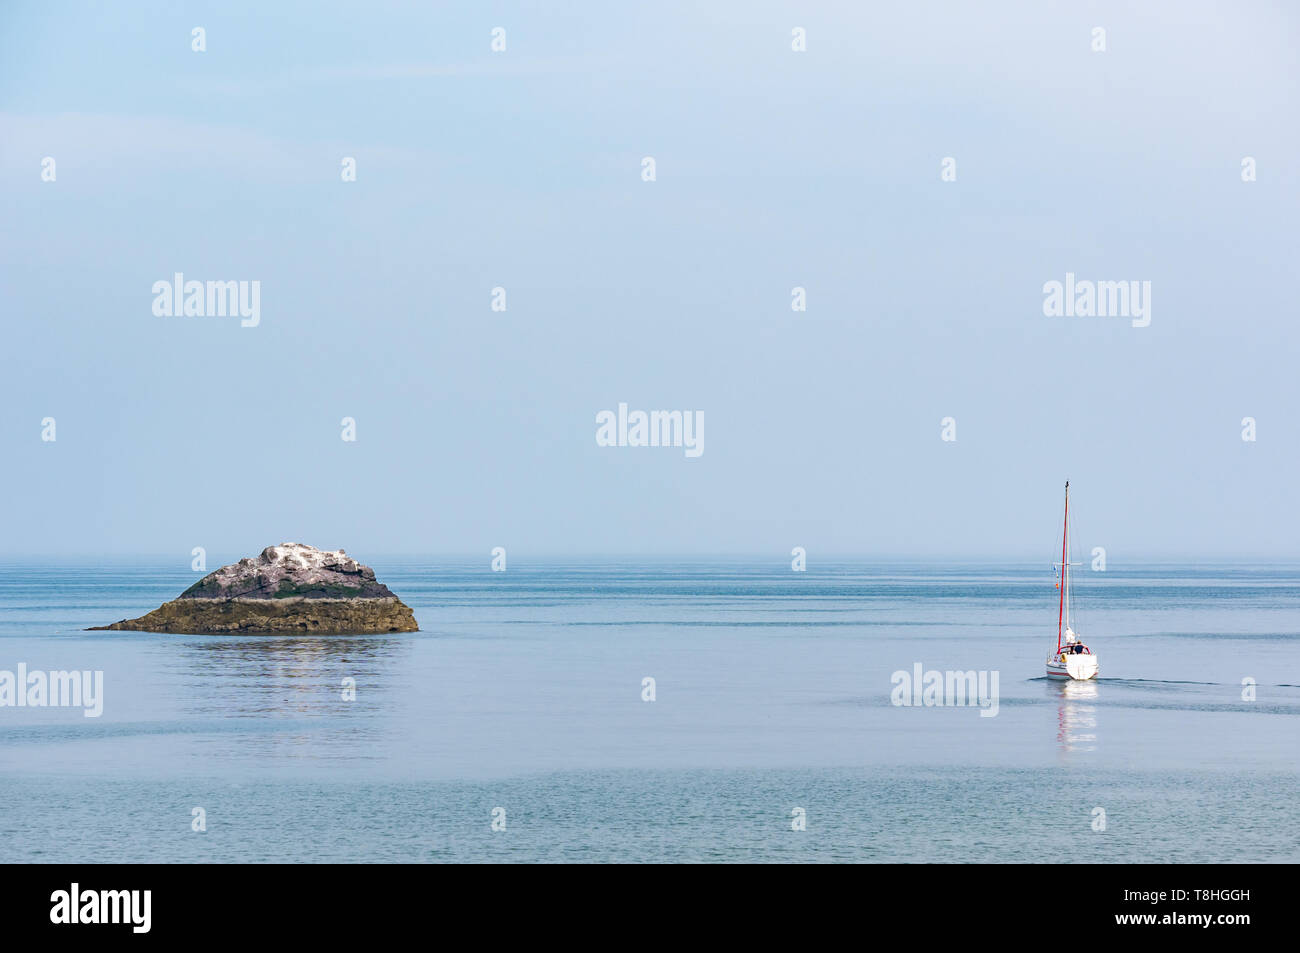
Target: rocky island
x,y
289,588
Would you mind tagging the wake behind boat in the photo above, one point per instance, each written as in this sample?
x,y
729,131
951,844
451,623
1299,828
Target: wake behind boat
x,y
1072,659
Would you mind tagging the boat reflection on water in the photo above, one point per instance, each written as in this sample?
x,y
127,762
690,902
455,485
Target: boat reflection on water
x,y
1076,716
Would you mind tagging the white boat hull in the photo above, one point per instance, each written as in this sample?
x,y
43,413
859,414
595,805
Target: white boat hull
x,y
1078,667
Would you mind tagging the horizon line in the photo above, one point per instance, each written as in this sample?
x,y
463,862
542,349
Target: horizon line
x,y
1151,558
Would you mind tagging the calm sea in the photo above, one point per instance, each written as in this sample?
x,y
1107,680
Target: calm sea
x,y
522,699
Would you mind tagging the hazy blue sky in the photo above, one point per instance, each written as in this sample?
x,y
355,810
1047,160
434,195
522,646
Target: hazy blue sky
x,y
775,169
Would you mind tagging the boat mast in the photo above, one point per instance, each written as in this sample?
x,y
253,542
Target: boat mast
x,y
1066,560
1065,568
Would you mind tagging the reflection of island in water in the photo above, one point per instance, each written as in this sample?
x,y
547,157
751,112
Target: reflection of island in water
x,y
1076,718
297,674
326,698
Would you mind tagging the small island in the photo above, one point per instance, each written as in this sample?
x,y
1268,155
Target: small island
x,y
288,588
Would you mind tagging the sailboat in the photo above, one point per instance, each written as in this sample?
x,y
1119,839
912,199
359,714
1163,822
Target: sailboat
x,y
1072,659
